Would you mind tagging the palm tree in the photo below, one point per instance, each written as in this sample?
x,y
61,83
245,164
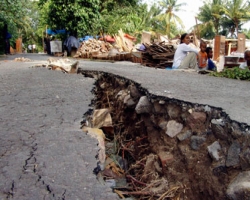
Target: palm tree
x,y
148,17
170,7
210,15
237,11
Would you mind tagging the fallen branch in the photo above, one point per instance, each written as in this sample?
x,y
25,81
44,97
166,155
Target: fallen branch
x,y
136,193
174,189
119,193
131,177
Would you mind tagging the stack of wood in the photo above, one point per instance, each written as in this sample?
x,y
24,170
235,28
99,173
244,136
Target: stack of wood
x,y
93,47
158,55
124,42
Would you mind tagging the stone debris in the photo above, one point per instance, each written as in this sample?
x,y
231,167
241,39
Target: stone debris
x,y
173,128
173,111
159,107
165,157
218,128
128,100
134,92
213,150
245,159
184,135
204,155
196,142
239,188
143,106
233,155
196,121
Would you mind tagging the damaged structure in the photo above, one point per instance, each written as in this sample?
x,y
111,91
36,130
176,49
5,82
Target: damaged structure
x,y
163,148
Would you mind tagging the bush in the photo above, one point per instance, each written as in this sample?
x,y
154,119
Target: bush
x,y
233,73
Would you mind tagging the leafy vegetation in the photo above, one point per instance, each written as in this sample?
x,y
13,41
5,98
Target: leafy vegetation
x,y
210,14
236,11
75,16
13,13
29,18
170,7
223,17
233,73
125,18
22,18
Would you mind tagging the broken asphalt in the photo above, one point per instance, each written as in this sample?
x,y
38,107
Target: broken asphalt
x,y
45,154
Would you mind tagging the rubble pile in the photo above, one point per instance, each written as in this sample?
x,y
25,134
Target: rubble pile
x,y
22,59
99,49
92,47
162,148
62,64
124,42
158,55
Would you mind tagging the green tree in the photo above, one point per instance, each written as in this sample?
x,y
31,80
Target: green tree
x,y
111,5
170,7
89,16
120,14
121,18
12,11
228,28
247,33
149,21
210,15
78,16
237,12
17,15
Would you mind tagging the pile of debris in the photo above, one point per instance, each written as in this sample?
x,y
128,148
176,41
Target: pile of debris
x,y
100,49
158,55
22,59
64,65
124,42
92,47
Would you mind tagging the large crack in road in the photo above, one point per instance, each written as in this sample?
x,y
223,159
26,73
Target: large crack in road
x,y
174,149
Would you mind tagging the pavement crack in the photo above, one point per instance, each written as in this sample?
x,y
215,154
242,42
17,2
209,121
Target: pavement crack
x,y
26,163
39,178
48,188
34,148
63,195
11,192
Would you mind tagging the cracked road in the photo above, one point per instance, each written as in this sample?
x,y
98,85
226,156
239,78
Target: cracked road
x,y
43,152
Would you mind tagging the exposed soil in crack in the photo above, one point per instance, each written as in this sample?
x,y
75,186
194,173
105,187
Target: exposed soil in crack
x,y
171,149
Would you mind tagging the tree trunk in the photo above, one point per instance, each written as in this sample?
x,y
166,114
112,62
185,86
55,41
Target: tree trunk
x,y
237,27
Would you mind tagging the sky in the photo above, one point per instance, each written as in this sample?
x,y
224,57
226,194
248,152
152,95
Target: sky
x,y
189,12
